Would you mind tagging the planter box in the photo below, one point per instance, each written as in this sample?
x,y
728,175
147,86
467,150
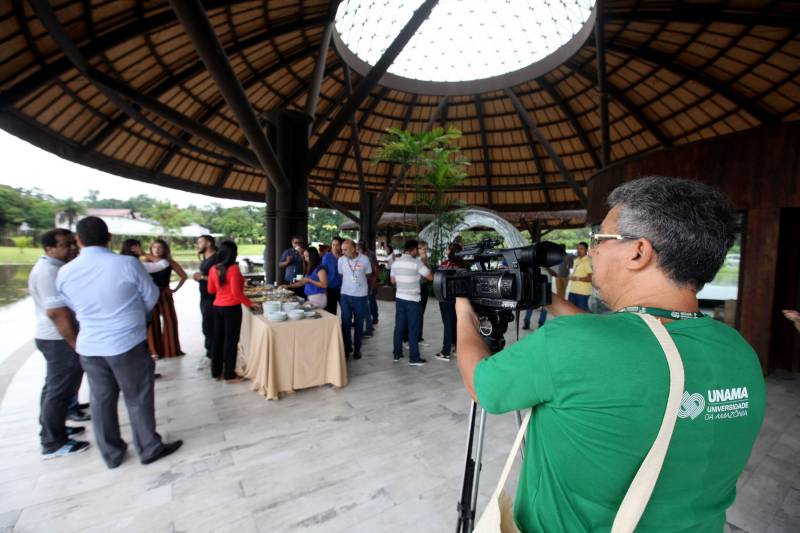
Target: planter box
x,y
386,293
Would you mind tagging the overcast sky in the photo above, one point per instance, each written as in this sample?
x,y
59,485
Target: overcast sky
x,y
24,165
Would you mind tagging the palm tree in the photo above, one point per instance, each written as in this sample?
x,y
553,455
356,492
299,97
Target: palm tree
x,y
437,166
70,209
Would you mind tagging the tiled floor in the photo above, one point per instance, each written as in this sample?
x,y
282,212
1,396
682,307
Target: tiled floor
x,y
384,454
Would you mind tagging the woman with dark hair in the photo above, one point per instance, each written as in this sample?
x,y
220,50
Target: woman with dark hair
x,y
162,333
315,279
448,309
226,282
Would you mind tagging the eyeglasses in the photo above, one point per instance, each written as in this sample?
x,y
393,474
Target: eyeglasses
x,y
596,238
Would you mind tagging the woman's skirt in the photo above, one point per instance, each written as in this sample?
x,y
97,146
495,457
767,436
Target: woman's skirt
x,y
162,332
320,300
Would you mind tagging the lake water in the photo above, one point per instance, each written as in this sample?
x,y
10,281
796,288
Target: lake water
x,y
13,283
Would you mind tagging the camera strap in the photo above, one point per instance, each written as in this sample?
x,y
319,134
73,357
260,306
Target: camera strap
x,y
662,313
641,488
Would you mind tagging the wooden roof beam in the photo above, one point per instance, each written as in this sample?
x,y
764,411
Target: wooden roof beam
x,y
368,83
668,63
319,72
103,43
623,100
206,43
119,93
699,14
375,100
487,163
600,48
188,73
571,118
362,186
538,163
530,124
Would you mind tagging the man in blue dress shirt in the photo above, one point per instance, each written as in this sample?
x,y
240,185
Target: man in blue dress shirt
x,y
111,295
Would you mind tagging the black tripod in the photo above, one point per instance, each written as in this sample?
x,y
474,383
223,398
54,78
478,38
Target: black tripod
x,y
493,327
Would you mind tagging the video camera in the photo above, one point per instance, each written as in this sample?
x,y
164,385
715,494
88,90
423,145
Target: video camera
x,y
495,292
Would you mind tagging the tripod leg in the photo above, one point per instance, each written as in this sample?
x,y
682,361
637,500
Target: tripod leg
x,y
469,467
477,473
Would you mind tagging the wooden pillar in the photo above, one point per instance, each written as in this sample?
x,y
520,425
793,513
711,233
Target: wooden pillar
x,y
368,230
755,307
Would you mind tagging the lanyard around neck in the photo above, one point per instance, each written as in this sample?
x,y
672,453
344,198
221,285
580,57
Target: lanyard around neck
x,y
663,313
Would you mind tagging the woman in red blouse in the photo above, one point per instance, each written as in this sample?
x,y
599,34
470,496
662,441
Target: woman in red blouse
x,y
226,282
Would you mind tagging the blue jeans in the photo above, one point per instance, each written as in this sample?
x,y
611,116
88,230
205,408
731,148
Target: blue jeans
x,y
542,317
372,316
354,311
407,320
448,311
580,300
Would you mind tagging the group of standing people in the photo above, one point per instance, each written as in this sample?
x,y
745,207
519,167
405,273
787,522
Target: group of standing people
x,y
91,312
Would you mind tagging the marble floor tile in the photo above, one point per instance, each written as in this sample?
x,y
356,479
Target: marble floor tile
x,y
384,454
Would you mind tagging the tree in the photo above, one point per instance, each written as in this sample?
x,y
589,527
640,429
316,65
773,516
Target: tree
x,y
71,209
437,165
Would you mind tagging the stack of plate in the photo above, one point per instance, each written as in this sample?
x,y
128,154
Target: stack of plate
x,y
290,306
295,314
272,307
310,314
276,316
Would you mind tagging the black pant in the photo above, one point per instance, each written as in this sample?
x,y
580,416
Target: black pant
x,y
424,302
448,310
61,384
207,310
227,328
133,373
333,299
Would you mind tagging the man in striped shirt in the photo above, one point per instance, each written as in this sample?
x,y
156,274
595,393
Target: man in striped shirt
x,y
406,274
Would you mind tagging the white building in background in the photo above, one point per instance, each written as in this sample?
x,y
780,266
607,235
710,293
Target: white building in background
x,y
129,222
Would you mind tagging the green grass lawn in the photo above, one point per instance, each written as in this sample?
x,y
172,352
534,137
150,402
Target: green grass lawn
x,y
10,255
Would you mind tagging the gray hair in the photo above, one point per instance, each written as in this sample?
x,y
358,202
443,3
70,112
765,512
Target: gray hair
x,y
690,224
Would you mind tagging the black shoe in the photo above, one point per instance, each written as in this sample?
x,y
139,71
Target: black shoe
x,y
166,449
71,447
79,416
368,334
396,358
157,376
418,362
83,405
526,326
374,321
442,357
75,430
356,355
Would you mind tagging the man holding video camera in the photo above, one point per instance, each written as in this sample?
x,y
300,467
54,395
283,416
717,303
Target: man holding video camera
x,y
598,384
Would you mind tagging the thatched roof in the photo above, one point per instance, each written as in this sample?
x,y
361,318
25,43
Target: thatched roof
x,y
678,72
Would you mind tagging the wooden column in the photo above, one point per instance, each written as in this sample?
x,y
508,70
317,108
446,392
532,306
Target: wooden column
x,y
755,307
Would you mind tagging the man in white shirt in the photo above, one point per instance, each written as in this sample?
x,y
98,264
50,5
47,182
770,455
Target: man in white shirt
x,y
354,269
406,273
55,338
111,295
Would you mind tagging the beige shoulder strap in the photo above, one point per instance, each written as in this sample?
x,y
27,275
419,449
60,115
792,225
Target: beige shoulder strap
x,y
513,453
635,500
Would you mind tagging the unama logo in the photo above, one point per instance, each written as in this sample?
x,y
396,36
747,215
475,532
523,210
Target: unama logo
x,y
691,405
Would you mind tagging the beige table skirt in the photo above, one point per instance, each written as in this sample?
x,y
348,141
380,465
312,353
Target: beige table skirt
x,y
280,357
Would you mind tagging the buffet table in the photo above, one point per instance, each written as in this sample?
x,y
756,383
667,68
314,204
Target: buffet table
x,y
282,357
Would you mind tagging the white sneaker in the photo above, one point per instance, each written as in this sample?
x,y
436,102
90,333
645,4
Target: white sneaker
x,y
203,363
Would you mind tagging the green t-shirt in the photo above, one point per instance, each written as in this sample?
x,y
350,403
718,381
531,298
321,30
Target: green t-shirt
x,y
598,385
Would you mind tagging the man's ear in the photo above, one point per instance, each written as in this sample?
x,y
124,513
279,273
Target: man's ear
x,y
642,254
79,241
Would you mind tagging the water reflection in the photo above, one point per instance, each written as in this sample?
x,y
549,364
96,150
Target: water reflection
x,y
13,283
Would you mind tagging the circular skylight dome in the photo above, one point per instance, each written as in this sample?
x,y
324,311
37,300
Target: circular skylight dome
x,y
464,40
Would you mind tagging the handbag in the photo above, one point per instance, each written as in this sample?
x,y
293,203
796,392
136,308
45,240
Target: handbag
x,y
498,515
